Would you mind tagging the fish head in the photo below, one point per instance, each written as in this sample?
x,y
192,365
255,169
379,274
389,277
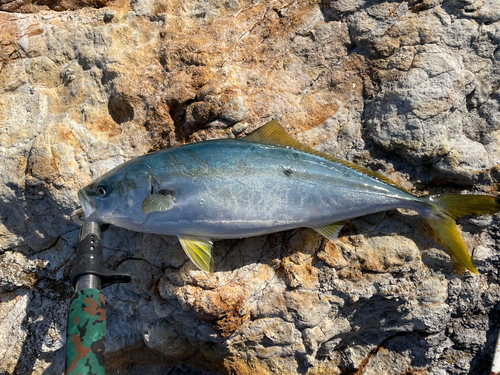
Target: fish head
x,y
116,198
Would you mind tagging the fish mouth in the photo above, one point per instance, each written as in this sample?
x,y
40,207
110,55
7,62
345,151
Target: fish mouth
x,y
89,204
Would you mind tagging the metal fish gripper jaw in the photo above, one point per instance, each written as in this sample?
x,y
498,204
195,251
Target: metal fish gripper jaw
x,y
89,256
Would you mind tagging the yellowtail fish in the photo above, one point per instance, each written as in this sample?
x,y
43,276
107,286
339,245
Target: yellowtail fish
x,y
266,182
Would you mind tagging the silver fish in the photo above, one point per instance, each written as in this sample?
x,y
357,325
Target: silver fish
x,y
263,183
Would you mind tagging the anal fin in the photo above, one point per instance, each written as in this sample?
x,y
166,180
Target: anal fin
x,y
331,231
199,250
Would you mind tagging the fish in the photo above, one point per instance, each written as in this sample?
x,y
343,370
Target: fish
x,y
263,183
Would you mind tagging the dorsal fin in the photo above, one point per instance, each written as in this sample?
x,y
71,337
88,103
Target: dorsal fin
x,y
273,133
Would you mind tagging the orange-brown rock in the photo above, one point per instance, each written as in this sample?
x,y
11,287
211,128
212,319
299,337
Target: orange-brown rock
x,y
408,89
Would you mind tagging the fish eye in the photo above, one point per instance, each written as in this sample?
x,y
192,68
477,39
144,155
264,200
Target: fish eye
x,y
101,191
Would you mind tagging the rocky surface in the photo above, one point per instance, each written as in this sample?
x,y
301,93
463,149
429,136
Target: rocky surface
x,y
409,89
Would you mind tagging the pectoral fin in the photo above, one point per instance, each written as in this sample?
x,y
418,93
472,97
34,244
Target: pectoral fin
x,y
331,231
199,250
162,200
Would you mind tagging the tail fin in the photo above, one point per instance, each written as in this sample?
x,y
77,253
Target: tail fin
x,y
445,208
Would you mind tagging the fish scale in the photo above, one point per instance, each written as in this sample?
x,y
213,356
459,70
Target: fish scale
x,y
260,192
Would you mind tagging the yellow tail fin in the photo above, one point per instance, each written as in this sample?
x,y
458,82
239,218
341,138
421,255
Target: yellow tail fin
x,y
448,207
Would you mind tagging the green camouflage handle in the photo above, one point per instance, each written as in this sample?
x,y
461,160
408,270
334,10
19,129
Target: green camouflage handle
x,y
86,333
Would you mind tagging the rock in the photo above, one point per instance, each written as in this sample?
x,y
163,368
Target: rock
x,y
407,89
37,6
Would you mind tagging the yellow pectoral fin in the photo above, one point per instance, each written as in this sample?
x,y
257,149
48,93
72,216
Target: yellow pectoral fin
x,y
331,231
199,250
160,201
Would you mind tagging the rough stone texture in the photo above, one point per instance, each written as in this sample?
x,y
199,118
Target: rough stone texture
x,y
32,6
409,89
